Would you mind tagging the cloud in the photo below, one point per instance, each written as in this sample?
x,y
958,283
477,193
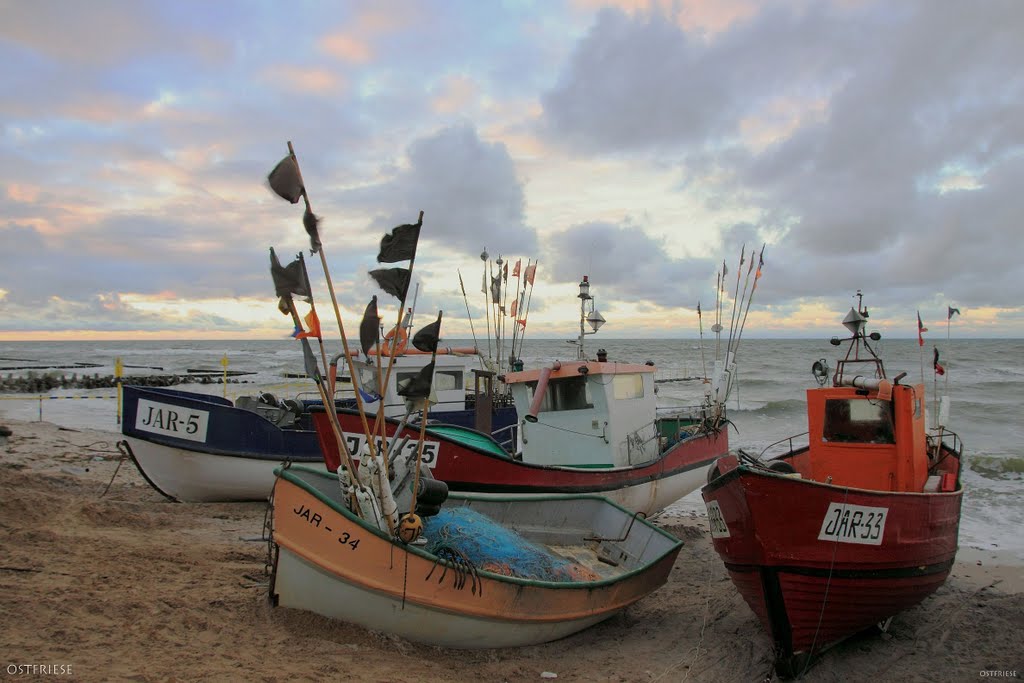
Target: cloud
x,y
639,81
627,265
879,143
467,189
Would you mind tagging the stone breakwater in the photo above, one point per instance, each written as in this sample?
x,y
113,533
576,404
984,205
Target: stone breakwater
x,y
37,384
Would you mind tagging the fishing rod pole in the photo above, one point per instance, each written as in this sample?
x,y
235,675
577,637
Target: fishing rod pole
x,y
469,315
700,324
530,276
735,301
750,299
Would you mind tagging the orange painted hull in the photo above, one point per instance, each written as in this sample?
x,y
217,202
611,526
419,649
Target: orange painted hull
x,y
332,563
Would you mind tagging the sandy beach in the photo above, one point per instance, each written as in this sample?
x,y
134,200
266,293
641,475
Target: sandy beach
x,y
103,579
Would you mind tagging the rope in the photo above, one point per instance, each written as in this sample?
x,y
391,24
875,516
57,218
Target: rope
x,y
570,431
712,562
116,470
824,600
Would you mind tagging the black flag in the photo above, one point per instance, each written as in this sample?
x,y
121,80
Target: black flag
x,y
427,337
290,279
312,369
394,281
310,222
400,243
419,386
286,181
369,328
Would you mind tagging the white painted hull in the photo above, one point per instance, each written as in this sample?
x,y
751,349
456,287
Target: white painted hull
x,y
301,585
197,477
654,496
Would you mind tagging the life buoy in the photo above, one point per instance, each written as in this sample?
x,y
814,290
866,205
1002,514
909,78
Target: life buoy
x,y
397,340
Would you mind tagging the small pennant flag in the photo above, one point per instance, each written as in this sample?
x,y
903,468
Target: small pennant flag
x,y
531,271
514,307
515,269
496,289
939,370
951,312
313,325
921,329
312,369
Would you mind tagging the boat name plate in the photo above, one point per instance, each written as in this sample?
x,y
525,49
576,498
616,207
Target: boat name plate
x,y
355,443
719,529
845,523
171,420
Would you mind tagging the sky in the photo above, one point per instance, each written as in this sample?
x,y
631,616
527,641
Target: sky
x,y
872,146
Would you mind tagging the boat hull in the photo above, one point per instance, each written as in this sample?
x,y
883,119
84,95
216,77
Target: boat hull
x,y
192,476
196,447
478,465
331,563
814,580
201,448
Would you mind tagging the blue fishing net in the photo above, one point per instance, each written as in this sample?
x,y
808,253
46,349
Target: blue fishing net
x,y
492,547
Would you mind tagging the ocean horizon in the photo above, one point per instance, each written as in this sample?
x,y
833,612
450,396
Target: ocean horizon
x,y
983,379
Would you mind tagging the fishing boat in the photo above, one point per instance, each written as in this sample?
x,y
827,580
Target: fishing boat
x,y
486,572
195,447
588,425
855,522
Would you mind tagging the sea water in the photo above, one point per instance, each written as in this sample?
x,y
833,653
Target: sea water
x,y
983,381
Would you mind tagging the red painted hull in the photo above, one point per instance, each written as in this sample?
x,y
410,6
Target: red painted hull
x,y
465,468
800,572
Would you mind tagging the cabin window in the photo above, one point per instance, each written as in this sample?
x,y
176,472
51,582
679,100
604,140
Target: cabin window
x,y
628,386
367,378
568,393
444,379
858,421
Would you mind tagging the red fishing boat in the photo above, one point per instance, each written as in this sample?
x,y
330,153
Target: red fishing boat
x,y
840,534
583,426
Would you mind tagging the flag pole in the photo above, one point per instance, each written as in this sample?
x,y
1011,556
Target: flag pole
x,y
319,335
380,423
347,460
423,425
334,301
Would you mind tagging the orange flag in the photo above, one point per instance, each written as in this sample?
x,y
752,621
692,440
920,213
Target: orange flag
x,y
313,323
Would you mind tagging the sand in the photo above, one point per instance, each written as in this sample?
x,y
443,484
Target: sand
x,y
107,584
